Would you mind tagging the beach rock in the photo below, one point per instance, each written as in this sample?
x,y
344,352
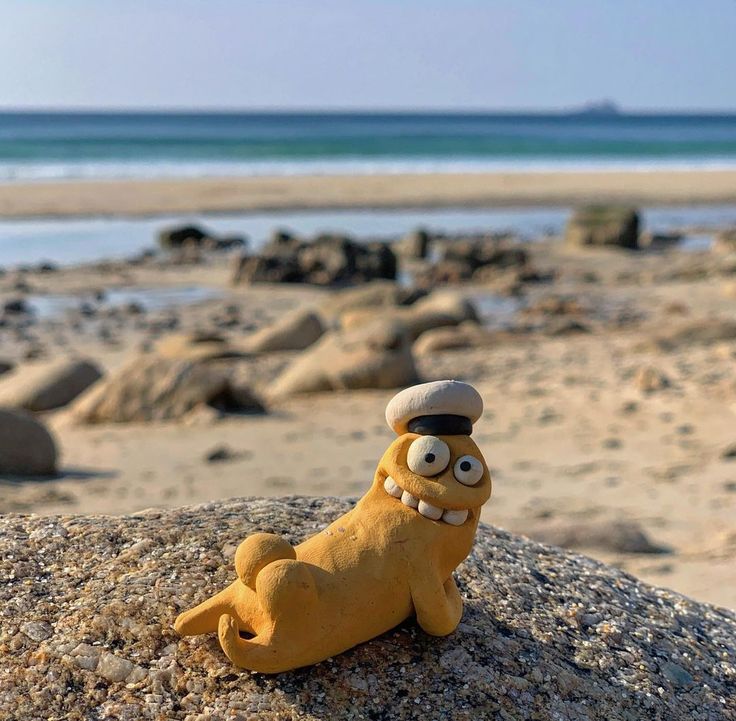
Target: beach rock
x,y
6,365
479,253
725,241
603,226
545,634
616,536
293,331
16,306
192,236
480,258
45,386
152,388
375,355
656,241
196,346
264,269
220,454
178,236
649,379
326,260
26,446
330,259
729,452
414,245
443,272
437,310
377,294
466,335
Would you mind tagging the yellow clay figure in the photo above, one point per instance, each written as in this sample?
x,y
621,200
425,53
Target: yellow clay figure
x,y
390,557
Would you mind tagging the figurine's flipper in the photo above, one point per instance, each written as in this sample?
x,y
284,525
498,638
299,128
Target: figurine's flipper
x,y
439,607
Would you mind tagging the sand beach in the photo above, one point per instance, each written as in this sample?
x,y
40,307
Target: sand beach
x,y
609,374
135,197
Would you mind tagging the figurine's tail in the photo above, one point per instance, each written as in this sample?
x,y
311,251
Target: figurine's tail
x,y
256,552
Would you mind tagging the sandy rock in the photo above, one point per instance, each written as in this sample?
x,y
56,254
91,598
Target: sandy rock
x,y
725,241
195,347
466,335
617,536
545,634
376,294
437,310
414,245
26,447
152,388
603,225
294,331
45,386
649,379
375,355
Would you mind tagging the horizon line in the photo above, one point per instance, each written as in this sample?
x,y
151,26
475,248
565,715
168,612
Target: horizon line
x,y
584,109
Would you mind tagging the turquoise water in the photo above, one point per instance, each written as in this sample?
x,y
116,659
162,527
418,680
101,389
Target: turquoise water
x,y
84,240
37,146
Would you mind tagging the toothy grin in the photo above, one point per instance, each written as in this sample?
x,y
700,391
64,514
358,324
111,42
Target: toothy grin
x,y
454,518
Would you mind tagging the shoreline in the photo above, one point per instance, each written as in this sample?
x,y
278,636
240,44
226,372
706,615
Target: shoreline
x,y
151,198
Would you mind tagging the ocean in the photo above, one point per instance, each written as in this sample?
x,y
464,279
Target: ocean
x,y
51,146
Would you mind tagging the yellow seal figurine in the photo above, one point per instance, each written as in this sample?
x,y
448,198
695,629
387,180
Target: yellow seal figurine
x,y
390,557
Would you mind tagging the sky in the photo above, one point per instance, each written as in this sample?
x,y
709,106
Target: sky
x,y
368,54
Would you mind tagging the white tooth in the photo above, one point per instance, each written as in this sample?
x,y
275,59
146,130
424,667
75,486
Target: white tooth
x,y
429,511
391,488
455,518
408,500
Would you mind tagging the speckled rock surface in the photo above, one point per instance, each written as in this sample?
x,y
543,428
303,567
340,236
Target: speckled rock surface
x,y
86,606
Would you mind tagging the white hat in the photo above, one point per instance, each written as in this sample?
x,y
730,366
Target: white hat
x,y
436,408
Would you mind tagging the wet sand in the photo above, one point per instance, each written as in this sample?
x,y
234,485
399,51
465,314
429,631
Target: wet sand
x,y
150,197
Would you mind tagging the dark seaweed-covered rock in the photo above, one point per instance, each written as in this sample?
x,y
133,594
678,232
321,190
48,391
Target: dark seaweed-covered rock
x,y
327,260
45,386
603,225
192,236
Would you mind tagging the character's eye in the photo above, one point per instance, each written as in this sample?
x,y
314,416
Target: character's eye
x,y
428,456
468,470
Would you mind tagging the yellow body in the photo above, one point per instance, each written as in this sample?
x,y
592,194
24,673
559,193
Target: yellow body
x,y
365,573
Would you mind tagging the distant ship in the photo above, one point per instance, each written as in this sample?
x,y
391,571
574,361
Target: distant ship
x,y
600,108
